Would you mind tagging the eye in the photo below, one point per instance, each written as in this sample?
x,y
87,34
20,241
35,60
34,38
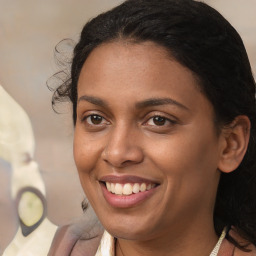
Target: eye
x,y
159,121
95,120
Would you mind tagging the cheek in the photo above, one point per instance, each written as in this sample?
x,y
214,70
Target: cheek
x,y
188,164
191,155
86,152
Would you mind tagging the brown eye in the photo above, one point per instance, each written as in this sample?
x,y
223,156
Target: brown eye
x,y
94,119
159,120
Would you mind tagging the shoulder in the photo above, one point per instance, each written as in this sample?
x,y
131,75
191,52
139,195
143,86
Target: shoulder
x,y
229,249
76,241
86,247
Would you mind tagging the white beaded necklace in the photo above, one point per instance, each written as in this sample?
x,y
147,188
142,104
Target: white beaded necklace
x,y
217,246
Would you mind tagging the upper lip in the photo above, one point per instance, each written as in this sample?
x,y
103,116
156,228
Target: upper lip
x,y
125,179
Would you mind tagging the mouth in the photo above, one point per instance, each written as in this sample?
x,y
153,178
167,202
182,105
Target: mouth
x,y
126,191
128,188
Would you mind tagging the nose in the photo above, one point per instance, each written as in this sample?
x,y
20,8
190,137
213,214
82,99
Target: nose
x,y
123,148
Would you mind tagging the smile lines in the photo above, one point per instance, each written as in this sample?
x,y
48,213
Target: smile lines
x,y
128,188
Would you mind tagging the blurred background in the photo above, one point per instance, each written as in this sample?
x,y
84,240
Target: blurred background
x,y
29,32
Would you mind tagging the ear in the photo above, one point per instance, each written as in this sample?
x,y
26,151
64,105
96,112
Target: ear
x,y
235,138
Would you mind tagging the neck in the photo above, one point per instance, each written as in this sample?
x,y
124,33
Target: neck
x,y
192,240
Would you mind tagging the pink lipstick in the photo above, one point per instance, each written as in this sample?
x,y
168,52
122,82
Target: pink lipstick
x,y
126,191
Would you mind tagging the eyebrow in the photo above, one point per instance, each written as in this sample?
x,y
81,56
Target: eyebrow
x,y
139,105
158,102
93,100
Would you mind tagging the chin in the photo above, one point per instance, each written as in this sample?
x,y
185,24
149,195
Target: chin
x,y
129,229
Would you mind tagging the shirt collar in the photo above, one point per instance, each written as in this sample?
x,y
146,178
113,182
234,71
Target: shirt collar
x,y
107,245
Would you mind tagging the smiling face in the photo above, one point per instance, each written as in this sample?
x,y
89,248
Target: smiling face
x,y
146,132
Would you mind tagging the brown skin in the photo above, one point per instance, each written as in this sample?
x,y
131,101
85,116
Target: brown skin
x,y
184,155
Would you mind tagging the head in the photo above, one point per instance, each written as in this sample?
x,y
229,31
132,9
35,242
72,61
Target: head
x,y
209,58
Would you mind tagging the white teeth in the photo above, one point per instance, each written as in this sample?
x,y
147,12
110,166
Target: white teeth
x,y
108,186
128,188
143,187
149,186
136,188
112,188
118,189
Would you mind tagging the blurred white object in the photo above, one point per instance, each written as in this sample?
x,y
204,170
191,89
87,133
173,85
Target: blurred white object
x,y
17,146
36,244
7,208
16,135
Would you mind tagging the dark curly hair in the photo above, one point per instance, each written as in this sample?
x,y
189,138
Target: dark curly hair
x,y
199,38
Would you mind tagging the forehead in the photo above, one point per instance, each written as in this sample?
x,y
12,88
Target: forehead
x,y
131,60
123,55
136,71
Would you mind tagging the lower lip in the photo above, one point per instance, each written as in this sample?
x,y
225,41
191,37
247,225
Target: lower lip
x,y
123,201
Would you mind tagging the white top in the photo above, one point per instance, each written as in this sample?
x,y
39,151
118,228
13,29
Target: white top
x,y
107,245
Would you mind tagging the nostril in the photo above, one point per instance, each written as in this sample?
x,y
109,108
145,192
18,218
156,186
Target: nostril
x,y
123,160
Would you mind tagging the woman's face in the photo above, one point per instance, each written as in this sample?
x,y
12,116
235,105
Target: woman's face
x,y
145,144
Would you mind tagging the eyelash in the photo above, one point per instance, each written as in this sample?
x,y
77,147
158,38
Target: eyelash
x,y
85,119
162,119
